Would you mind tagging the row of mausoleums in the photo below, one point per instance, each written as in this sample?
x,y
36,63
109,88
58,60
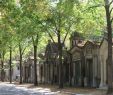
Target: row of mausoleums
x,y
81,64
84,65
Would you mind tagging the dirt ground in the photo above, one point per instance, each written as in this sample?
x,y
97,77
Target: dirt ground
x,y
68,90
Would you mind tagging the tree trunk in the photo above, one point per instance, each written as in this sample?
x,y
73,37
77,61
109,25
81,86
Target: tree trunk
x,y
52,74
2,71
20,51
44,72
60,61
82,69
49,80
109,61
2,65
70,71
25,74
35,66
10,69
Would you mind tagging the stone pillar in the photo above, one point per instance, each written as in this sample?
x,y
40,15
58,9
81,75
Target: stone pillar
x,y
102,71
103,84
74,74
85,78
95,78
105,73
46,73
94,72
32,73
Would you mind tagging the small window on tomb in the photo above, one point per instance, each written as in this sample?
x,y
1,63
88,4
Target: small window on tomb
x,y
89,50
18,67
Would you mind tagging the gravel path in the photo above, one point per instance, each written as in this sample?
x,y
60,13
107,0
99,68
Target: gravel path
x,y
10,89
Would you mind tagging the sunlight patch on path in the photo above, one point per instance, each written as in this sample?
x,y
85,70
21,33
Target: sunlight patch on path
x,y
11,89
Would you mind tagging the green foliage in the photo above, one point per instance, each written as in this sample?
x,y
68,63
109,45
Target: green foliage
x,y
23,21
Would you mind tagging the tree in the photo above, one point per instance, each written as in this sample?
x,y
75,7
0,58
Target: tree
x,y
35,12
18,23
59,23
109,31
24,20
3,49
108,11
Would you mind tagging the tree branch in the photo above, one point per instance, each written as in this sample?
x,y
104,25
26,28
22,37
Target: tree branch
x,y
51,36
111,19
33,40
111,10
36,41
24,50
55,27
111,2
65,37
20,49
48,33
66,34
56,31
95,6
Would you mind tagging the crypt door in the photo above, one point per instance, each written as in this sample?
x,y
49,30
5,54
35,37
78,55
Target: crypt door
x,y
90,72
77,72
